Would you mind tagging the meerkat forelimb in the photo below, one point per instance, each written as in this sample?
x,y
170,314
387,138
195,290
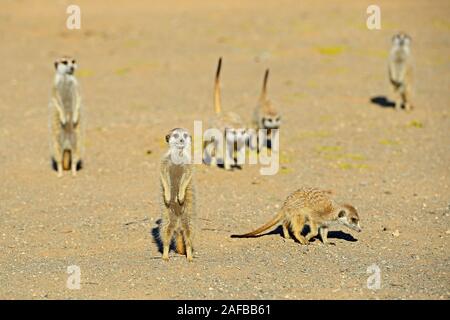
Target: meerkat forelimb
x,y
65,110
177,194
401,70
265,117
313,207
230,125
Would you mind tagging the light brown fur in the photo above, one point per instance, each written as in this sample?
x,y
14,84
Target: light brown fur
x,y
313,207
265,116
178,197
401,71
225,122
65,121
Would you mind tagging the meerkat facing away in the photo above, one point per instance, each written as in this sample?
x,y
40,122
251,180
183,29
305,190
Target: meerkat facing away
x,y
313,207
65,116
401,70
177,193
265,117
229,124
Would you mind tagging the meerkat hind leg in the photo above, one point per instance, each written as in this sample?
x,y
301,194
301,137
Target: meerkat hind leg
x,y
286,234
314,230
297,227
166,234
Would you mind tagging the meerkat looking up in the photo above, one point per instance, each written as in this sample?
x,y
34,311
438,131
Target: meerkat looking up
x,y
177,193
231,127
265,117
313,207
401,70
65,116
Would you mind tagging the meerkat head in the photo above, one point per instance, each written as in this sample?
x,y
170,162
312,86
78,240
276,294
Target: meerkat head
x,y
236,134
271,120
347,215
178,138
401,40
65,65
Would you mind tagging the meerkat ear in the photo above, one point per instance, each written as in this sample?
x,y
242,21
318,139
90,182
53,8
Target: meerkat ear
x,y
341,214
167,137
56,64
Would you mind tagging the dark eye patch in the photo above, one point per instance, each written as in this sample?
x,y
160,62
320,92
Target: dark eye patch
x,y
176,135
73,61
64,62
354,220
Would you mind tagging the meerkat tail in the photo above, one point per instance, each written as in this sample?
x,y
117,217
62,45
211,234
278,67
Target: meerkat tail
x,y
217,104
263,228
66,159
179,242
264,88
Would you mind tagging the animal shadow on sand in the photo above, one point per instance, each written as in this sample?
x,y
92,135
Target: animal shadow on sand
x,y
156,234
331,234
383,102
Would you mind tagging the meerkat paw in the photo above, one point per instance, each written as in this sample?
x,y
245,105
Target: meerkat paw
x,y
167,197
180,197
165,257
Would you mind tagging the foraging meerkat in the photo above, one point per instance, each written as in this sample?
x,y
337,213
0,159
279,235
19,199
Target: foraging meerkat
x,y
313,207
265,117
65,116
177,193
231,127
401,70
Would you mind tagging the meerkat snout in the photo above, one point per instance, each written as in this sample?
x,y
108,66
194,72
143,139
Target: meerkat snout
x,y
66,65
178,138
348,216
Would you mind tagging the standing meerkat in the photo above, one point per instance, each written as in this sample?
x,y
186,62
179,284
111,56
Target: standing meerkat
x,y
265,117
231,127
65,116
401,70
177,193
313,207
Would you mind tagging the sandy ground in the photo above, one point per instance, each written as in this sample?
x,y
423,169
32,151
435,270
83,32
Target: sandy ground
x,y
146,67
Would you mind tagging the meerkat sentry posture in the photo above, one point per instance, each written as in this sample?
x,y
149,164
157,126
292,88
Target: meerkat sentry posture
x,y
401,70
65,117
265,117
313,207
177,193
231,127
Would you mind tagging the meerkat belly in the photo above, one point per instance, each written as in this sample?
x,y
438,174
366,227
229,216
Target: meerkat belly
x,y
175,175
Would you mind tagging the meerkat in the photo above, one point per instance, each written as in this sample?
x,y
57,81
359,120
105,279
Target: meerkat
x,y
401,70
65,117
265,117
229,124
177,193
313,207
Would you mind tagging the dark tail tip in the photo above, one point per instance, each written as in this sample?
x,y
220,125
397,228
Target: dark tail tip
x,y
235,236
219,66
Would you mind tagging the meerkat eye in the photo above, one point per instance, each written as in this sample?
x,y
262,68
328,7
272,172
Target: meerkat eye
x,y
354,220
73,61
176,135
64,62
185,135
341,213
